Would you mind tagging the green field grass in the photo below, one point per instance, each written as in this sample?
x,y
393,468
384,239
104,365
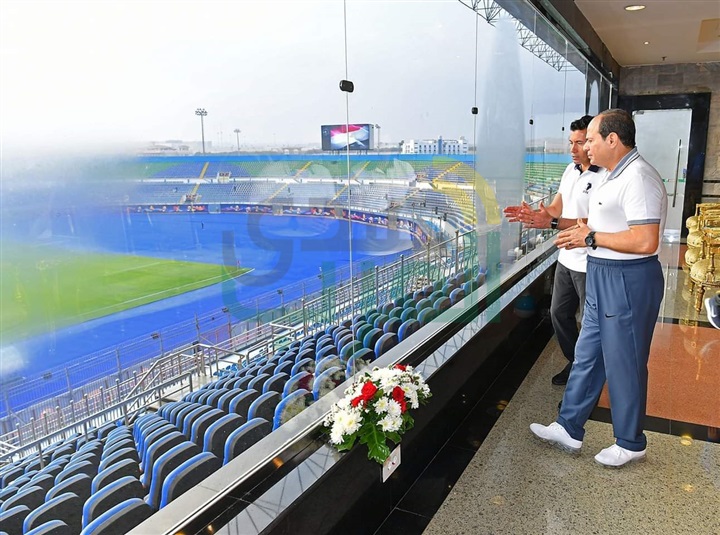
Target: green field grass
x,y
43,289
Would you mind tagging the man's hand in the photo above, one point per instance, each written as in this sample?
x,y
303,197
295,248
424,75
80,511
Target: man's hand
x,y
527,216
573,237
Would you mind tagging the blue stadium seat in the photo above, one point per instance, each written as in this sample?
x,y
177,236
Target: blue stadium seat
x,y
157,450
264,406
359,361
12,518
168,462
326,363
52,527
241,404
156,435
386,342
386,308
448,288
275,383
211,400
191,417
59,452
187,475
344,340
120,519
396,312
44,481
442,304
128,442
8,492
372,317
216,435
66,507
258,382
121,469
300,380
408,314
371,338
398,302
325,351
104,429
356,326
357,319
457,295
286,367
290,406
223,402
242,383
418,295
327,381
407,328
245,436
435,296
307,365
423,304
428,289
119,455
392,325
111,495
380,321
480,279
200,425
79,484
189,408
81,467
349,349
426,316
362,331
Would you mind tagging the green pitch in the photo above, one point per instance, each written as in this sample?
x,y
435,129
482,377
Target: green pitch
x,y
44,289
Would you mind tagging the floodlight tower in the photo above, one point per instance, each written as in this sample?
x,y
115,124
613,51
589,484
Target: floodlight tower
x,y
202,113
377,127
237,133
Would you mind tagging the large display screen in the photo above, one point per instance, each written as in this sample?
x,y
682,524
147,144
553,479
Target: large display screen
x,y
335,136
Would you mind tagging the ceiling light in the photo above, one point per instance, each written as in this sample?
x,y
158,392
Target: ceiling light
x,y
646,43
634,7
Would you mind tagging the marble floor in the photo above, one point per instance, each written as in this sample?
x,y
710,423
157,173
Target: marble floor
x,y
515,484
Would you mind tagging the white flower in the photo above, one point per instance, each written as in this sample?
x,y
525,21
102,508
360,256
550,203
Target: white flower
x,y
413,397
390,423
336,436
394,408
349,421
381,405
344,403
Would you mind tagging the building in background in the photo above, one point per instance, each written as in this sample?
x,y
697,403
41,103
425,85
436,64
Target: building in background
x,y
435,146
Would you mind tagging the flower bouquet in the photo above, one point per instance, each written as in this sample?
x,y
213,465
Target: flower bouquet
x,y
375,410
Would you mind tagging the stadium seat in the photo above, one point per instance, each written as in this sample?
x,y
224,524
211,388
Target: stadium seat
x,y
343,341
216,435
307,365
448,288
327,381
286,367
200,425
398,302
325,351
396,312
372,317
291,406
66,507
435,296
7,492
426,316
156,435
79,484
211,400
386,342
104,429
362,331
168,462
59,452
52,527
357,319
392,325
245,436
326,363
418,295
356,326
408,314
158,449
407,328
258,382
480,279
12,518
386,308
187,475
302,379
423,304
192,417
223,402
109,496
380,321
241,404
119,455
276,383
128,442
457,295
264,406
242,383
326,341
81,467
44,481
349,349
121,469
359,360
371,338
194,408
442,304
120,519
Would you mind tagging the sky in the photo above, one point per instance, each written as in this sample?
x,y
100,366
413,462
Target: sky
x,y
78,74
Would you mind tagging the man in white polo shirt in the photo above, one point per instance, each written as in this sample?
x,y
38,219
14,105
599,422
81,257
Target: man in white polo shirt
x,y
579,180
624,288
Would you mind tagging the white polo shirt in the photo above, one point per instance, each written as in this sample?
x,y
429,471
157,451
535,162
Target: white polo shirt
x,y
575,189
632,194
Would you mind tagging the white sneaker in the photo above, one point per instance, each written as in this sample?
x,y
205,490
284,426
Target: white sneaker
x,y
557,435
615,456
712,305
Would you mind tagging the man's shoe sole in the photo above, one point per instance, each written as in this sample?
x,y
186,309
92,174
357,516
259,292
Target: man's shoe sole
x,y
631,461
558,445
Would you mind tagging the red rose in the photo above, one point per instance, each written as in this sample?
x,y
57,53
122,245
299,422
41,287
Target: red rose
x,y
368,391
401,367
356,401
398,394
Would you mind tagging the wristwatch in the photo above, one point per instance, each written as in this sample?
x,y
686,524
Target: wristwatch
x,y
590,240
554,223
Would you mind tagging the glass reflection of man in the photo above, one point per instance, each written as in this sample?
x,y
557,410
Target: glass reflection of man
x,y
578,182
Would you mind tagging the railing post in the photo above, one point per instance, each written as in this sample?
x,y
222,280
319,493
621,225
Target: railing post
x,y
69,384
19,432
457,250
402,275
304,313
72,411
102,399
59,416
32,427
46,429
87,405
427,265
377,287
40,454
119,367
117,387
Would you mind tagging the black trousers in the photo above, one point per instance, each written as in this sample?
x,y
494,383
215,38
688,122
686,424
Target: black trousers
x,y
568,293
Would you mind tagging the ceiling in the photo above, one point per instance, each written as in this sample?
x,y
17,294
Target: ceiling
x,y
677,31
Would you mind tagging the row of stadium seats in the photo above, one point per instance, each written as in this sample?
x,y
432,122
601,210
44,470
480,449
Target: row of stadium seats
x,y
120,475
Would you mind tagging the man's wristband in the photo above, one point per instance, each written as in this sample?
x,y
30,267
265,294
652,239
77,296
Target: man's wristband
x,y
554,223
